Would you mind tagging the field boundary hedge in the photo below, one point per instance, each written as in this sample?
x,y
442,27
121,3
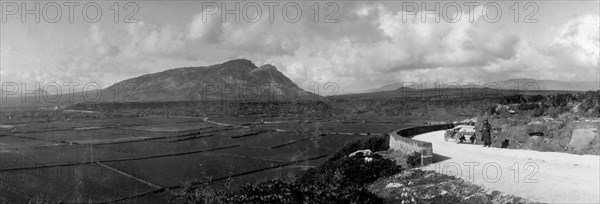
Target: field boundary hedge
x,y
401,140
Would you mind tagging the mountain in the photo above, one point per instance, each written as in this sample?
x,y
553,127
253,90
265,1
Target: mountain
x,y
525,83
233,80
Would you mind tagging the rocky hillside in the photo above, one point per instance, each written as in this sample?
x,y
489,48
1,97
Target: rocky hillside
x,y
554,123
571,135
233,80
417,186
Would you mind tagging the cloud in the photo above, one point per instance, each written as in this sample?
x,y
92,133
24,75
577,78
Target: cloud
x,y
462,51
369,46
579,39
153,40
431,44
397,48
571,56
103,47
205,28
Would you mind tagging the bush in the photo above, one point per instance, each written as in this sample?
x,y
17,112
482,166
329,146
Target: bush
x,y
333,190
414,160
536,98
538,112
561,99
490,110
355,169
556,111
271,191
338,181
528,106
512,99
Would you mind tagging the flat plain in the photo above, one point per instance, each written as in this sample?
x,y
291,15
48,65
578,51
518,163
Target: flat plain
x,y
150,158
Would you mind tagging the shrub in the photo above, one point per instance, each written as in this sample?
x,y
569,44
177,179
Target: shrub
x,y
528,106
512,99
491,110
556,111
561,99
538,112
355,169
536,98
271,191
414,160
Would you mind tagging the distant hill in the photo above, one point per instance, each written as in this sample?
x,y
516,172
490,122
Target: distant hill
x,y
452,90
531,84
233,80
443,94
389,87
40,92
511,84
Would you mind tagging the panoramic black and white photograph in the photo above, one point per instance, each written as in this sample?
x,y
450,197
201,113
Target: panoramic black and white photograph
x,y
307,101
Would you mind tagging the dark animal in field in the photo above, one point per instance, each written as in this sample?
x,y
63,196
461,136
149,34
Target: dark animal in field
x,y
541,134
504,143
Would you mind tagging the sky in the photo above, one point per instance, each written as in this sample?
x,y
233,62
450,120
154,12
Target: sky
x,y
357,45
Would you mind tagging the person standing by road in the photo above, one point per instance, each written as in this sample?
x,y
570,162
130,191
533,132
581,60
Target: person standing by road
x,y
486,135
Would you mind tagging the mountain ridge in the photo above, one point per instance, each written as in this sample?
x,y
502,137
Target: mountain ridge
x,y
238,79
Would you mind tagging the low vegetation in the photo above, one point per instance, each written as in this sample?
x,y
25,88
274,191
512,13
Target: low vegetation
x,y
417,186
584,104
341,179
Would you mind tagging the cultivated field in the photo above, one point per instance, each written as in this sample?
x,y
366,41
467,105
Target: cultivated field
x,y
148,159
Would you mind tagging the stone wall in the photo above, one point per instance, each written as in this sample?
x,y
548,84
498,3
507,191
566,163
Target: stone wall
x,y
401,141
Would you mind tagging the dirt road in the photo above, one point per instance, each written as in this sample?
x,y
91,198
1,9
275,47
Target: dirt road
x,y
539,176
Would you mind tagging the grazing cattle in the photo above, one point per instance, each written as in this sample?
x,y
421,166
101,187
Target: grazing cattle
x,y
541,134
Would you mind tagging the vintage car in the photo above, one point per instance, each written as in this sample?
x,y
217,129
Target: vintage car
x,y
461,133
